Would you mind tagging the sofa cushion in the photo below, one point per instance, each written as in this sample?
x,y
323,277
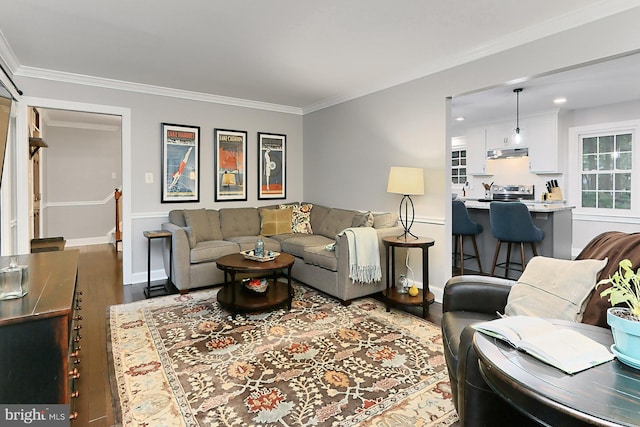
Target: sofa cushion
x,y
275,221
318,214
363,219
336,221
211,250
300,217
296,245
318,255
554,288
176,217
239,222
249,242
203,223
384,220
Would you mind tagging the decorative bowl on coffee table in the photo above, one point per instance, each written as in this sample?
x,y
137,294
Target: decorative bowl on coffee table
x,y
268,255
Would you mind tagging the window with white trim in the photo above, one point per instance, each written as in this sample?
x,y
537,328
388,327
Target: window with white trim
x,y
607,166
604,169
458,166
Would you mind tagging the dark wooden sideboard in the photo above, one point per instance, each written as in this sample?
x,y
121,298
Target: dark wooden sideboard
x,y
40,333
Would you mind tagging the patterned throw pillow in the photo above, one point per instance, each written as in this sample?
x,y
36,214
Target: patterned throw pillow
x,y
300,217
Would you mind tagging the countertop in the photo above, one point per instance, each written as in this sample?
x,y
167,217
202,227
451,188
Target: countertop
x,y
533,206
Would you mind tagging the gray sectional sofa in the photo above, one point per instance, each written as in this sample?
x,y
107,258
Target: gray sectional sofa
x,y
201,236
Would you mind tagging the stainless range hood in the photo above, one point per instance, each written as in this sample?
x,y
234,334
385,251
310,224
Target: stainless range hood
x,y
507,153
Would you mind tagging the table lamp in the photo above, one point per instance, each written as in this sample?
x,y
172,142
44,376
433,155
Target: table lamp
x,y
408,182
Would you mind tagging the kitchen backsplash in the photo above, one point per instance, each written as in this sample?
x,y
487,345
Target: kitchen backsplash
x,y
510,171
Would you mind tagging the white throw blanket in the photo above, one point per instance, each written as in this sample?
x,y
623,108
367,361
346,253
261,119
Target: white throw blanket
x,y
364,254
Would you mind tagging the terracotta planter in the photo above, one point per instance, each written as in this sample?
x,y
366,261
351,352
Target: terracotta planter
x,y
626,335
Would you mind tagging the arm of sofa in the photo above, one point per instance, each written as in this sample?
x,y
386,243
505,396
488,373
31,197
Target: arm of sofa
x,y
481,294
342,253
181,256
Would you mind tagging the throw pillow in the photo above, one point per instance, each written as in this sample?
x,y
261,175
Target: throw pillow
x,y
275,221
300,217
363,219
198,221
554,288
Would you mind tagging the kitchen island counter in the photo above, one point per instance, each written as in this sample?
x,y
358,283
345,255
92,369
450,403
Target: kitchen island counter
x,y
531,205
555,219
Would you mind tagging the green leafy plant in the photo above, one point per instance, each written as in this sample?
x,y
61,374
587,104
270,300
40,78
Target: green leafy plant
x,y
625,288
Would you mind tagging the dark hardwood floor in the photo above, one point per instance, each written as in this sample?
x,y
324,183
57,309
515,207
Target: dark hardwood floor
x,y
100,280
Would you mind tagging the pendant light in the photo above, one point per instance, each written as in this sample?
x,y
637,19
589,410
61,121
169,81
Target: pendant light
x,y
518,137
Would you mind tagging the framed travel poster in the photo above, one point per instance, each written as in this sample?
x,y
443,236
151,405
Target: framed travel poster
x,y
180,163
272,177
230,153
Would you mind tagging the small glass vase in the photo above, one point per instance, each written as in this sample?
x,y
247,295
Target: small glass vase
x,y
402,284
13,280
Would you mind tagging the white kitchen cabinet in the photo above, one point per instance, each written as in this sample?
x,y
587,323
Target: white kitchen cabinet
x,y
542,140
501,135
476,151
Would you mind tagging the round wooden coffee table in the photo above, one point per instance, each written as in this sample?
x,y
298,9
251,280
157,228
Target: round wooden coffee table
x,y
236,298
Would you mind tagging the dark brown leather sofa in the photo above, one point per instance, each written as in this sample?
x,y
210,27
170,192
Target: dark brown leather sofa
x,y
471,299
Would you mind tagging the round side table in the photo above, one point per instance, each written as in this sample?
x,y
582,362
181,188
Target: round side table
x,y
424,297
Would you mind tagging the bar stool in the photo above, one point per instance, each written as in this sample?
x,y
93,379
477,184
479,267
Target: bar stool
x,y
511,222
462,225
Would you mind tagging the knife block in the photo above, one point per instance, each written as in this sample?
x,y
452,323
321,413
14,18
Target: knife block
x,y
556,194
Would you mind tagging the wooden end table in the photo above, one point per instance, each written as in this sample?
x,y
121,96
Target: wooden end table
x,y
424,297
235,297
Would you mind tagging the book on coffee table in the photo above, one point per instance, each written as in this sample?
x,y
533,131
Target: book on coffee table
x,y
566,349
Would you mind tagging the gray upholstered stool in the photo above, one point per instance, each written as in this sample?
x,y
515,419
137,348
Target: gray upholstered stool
x,y
462,226
511,223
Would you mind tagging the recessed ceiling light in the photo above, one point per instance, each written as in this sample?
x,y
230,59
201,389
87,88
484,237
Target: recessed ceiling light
x,y
459,119
560,100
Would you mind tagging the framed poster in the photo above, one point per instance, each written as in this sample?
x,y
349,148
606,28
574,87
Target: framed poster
x,y
230,153
180,163
272,177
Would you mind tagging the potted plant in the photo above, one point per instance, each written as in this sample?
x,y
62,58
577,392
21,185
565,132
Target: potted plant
x,y
624,321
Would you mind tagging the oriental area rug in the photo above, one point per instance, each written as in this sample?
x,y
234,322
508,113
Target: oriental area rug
x,y
181,360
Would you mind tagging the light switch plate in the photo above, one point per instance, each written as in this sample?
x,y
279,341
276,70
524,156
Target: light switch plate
x,y
148,178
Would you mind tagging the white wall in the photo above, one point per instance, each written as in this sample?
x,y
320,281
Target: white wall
x,y
407,126
78,183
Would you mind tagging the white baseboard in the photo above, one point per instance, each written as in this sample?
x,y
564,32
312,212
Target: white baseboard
x,y
87,241
141,277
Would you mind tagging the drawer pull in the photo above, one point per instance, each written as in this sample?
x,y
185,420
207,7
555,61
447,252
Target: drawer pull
x,y
75,394
78,317
74,374
78,338
73,416
75,353
77,361
77,328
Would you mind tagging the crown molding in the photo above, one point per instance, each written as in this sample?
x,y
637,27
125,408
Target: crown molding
x,y
81,79
76,125
552,26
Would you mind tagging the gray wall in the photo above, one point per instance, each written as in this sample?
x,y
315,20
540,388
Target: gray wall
x,y
348,148
407,126
77,182
147,114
